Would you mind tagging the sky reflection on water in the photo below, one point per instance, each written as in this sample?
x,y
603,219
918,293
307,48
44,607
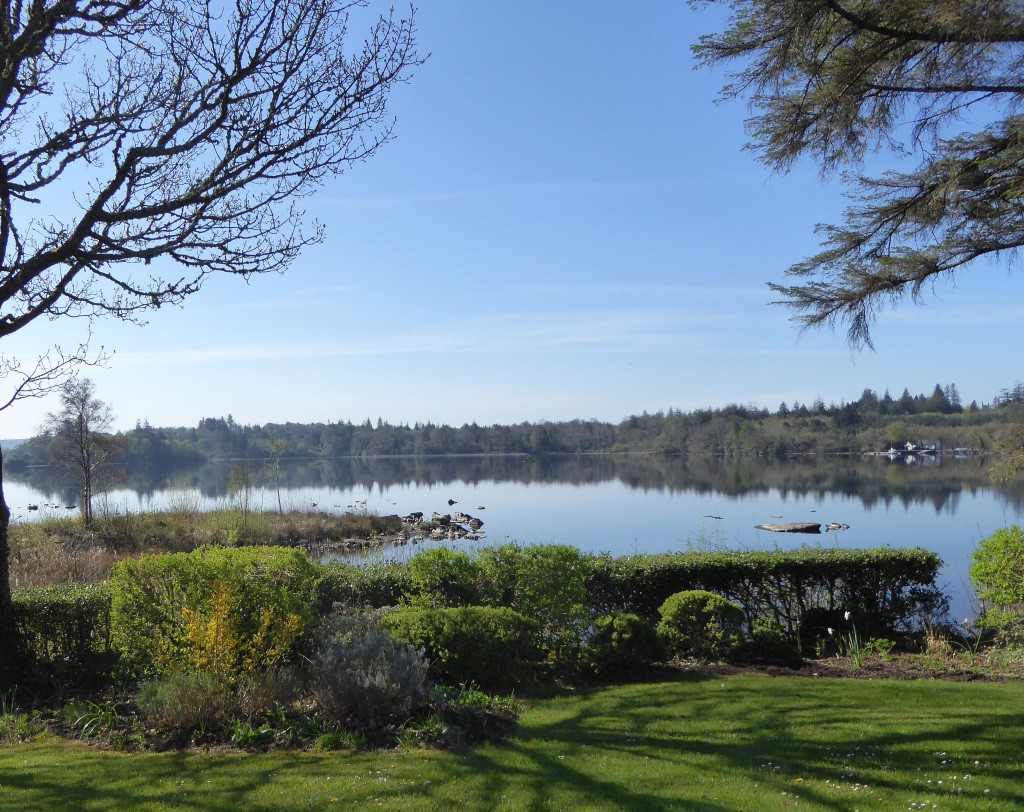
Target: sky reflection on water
x,y
630,510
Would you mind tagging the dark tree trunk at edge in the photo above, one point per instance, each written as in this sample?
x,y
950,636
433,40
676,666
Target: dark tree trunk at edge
x,y
9,648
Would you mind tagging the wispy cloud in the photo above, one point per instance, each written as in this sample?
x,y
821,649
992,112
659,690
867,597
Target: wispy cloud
x,y
648,331
301,298
646,290
585,189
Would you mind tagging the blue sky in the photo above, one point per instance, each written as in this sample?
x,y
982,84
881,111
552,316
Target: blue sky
x,y
565,226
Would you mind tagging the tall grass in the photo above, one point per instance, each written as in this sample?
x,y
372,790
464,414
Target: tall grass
x,y
59,550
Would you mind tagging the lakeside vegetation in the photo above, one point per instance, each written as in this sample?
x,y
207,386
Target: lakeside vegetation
x,y
872,423
510,677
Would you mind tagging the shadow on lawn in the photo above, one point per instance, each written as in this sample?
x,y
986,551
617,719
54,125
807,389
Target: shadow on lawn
x,y
653,746
808,732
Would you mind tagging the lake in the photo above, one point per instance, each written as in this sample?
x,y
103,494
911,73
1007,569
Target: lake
x,y
619,504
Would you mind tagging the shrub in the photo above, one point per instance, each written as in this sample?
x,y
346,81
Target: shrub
x,y
185,701
443,577
383,583
236,611
997,569
362,674
547,583
620,643
769,644
493,647
699,625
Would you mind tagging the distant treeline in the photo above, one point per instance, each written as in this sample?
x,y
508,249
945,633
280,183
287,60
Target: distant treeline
x,y
872,423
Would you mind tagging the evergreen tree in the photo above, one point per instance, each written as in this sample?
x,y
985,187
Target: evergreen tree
x,y
835,79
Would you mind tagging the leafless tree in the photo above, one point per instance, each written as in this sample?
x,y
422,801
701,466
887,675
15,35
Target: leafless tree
x,y
82,439
146,144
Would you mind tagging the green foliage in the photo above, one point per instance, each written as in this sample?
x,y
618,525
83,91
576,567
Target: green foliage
x,y
621,642
887,588
17,725
94,719
382,583
214,607
696,624
997,569
769,644
65,631
880,647
360,674
547,583
494,647
733,428
250,735
443,578
832,82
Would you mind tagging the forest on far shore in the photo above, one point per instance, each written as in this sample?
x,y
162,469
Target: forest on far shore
x,y
873,423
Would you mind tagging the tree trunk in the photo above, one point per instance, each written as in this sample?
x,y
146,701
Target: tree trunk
x,y
10,649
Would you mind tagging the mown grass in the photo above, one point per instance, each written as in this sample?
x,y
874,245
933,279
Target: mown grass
x,y
693,742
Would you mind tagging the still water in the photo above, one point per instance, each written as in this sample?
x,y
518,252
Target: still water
x,y
620,504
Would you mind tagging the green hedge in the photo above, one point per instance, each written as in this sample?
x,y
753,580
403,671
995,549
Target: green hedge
x,y
495,648
884,589
65,631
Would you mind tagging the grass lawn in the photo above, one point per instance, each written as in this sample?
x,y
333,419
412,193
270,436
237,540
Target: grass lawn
x,y
695,742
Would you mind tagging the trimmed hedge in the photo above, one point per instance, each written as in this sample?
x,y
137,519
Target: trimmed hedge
x,y
493,647
885,589
65,631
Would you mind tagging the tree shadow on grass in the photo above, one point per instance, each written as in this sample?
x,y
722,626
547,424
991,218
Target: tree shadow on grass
x,y
695,742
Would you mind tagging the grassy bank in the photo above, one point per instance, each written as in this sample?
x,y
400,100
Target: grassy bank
x,y
58,550
695,742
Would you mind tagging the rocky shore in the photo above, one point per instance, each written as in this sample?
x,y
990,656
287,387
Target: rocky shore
x,y
415,529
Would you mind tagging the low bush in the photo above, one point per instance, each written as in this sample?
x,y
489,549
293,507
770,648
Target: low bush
x,y
382,583
701,625
768,644
621,642
444,578
360,674
494,647
546,582
185,701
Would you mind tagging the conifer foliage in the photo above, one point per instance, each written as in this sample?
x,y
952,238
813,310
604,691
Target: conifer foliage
x,y
936,83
